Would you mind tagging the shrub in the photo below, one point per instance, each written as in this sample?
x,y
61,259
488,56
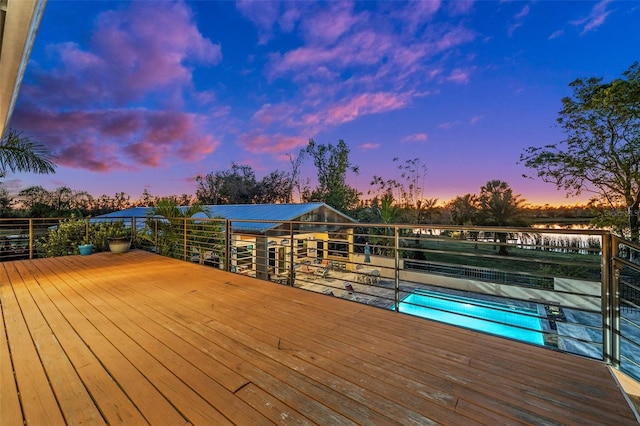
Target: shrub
x,y
64,239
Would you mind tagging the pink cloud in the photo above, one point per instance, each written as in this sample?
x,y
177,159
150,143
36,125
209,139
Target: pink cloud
x,y
460,7
328,25
555,34
260,143
417,13
118,139
452,38
596,18
523,12
89,107
270,114
448,125
417,137
133,53
475,119
266,15
364,104
459,76
369,146
363,48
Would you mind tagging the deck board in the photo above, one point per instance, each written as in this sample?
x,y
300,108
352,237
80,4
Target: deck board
x,y
137,338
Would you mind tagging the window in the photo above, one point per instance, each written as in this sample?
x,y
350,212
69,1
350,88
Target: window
x,y
301,248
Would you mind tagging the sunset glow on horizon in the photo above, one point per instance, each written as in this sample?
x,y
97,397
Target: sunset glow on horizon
x,y
150,94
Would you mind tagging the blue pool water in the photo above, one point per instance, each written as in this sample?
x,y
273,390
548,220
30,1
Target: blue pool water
x,y
490,317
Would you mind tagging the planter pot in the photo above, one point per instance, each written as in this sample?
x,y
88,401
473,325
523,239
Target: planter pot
x,y
119,244
85,249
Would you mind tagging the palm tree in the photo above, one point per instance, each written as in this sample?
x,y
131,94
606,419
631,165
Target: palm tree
x,y
388,211
464,210
500,206
21,154
170,235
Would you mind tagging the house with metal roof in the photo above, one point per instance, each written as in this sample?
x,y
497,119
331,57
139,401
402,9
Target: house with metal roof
x,y
265,237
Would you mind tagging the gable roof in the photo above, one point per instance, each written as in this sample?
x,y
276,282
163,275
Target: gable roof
x,y
248,212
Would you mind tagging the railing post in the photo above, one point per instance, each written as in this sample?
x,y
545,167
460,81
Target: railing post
x,y
615,314
292,271
605,299
30,238
184,238
614,303
155,236
227,245
396,296
134,228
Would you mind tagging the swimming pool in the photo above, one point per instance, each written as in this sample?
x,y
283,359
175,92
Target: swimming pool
x,y
496,318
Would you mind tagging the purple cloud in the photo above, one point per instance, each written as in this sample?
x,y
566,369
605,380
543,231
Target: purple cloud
x,y
259,143
596,18
364,104
326,26
523,12
459,76
368,146
555,34
417,137
476,119
108,140
89,106
460,7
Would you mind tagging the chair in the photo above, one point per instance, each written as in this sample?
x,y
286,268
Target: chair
x,y
350,290
352,294
322,272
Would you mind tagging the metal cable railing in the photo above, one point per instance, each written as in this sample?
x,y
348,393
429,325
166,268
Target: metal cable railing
x,y
572,291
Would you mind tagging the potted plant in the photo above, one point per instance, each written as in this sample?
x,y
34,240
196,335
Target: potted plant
x,y
120,240
85,249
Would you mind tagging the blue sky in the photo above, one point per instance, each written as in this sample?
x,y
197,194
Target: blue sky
x,y
150,94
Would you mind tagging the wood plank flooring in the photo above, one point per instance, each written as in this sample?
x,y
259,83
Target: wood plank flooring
x,y
136,338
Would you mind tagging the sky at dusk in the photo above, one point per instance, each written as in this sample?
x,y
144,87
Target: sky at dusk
x,y
150,94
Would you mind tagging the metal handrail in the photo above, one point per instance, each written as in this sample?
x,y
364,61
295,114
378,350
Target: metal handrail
x,y
589,270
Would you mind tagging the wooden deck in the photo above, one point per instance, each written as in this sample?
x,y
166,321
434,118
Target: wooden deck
x,y
137,339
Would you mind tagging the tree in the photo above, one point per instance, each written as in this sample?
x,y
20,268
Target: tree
x,y
295,181
276,187
21,154
601,152
65,201
332,164
499,206
36,201
413,172
464,210
425,209
170,237
388,210
5,203
238,185
233,186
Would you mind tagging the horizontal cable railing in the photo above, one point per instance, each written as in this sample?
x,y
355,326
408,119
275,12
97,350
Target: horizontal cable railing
x,y
626,298
552,288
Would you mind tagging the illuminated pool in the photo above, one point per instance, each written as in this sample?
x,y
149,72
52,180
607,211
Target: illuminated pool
x,y
510,321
